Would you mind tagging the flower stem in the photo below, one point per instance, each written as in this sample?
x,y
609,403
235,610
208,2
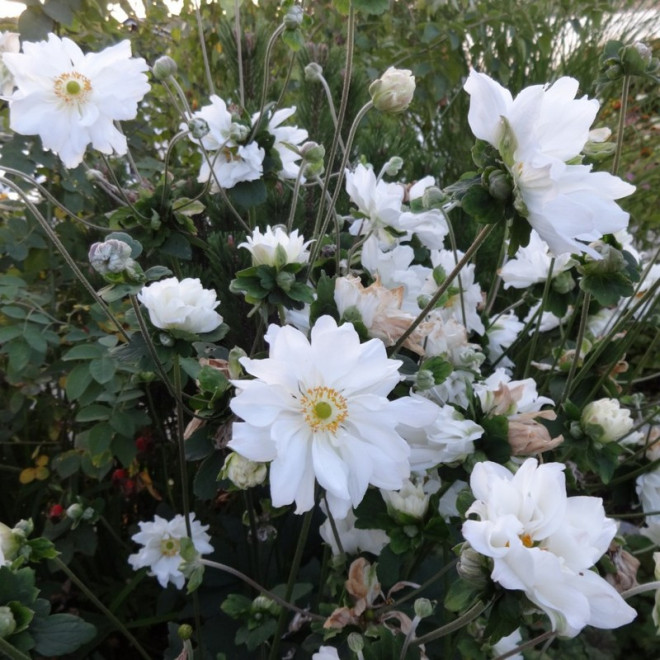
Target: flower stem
x,y
257,587
50,232
527,645
476,244
293,574
239,52
202,43
640,589
11,652
584,317
90,594
264,88
625,91
475,611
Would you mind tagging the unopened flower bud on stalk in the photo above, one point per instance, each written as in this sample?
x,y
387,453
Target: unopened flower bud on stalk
x,y
393,166
433,197
604,420
239,132
423,608
393,91
185,631
294,17
243,472
111,256
7,622
312,151
355,642
198,127
164,67
313,72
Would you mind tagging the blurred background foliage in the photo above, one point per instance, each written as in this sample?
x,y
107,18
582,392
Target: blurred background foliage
x,y
102,422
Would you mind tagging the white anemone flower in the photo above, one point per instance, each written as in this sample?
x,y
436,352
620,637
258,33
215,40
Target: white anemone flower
x,y
162,545
317,410
538,134
181,305
275,247
545,543
352,539
71,99
285,138
10,42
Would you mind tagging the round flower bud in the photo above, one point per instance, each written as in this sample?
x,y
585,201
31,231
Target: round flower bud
x,y
294,17
411,501
564,282
111,256
243,472
164,67
355,642
185,631
393,91
635,58
433,197
313,72
604,420
198,127
424,380
472,566
499,185
393,166
75,511
239,132
423,608
312,151
9,543
7,622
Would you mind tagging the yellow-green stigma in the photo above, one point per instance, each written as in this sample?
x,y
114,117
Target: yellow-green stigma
x,y
72,87
170,547
324,409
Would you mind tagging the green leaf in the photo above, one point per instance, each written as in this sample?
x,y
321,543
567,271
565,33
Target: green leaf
x,y
19,355
85,352
34,337
325,300
103,369
17,585
607,288
10,332
67,463
205,484
156,273
371,6
253,638
440,368
461,595
99,439
94,413
59,10
248,193
484,208
177,245
77,381
34,25
58,634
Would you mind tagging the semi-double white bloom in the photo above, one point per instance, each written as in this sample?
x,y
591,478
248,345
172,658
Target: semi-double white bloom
x,y
317,410
274,247
181,305
538,134
545,543
71,99
162,547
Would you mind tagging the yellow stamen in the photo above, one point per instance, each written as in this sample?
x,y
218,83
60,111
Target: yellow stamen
x,y
324,409
72,87
170,547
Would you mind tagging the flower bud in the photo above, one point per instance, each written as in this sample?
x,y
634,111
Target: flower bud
x,y
313,72
185,631
75,511
164,67
635,59
239,132
235,368
499,185
111,256
423,608
393,91
433,197
9,543
198,127
243,472
285,280
564,282
409,502
527,436
355,642
294,17
472,566
312,152
605,421
393,166
7,622
424,380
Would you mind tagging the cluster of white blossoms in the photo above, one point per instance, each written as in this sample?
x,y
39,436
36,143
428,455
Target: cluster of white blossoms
x,y
539,134
161,551
231,156
545,543
71,99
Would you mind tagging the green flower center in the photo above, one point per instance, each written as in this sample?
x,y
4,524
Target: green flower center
x,y
170,547
72,88
324,409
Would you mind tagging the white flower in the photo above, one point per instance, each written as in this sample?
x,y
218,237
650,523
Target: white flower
x,y
648,491
353,540
243,472
181,305
393,91
531,265
10,42
230,162
409,500
317,410
162,543
285,138
499,395
326,653
502,332
276,248
537,133
605,420
544,543
509,643
449,438
71,99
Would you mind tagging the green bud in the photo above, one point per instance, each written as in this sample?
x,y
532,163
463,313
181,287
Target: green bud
x,y
423,608
185,631
424,380
165,339
7,622
433,197
198,127
355,642
285,280
499,184
472,566
312,152
635,59
164,67
614,72
24,527
564,282
294,17
313,72
239,132
75,511
393,91
393,166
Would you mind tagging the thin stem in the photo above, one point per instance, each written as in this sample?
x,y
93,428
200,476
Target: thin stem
x,y
625,91
257,587
474,612
294,200
202,43
549,635
293,574
640,589
476,244
321,227
90,594
67,257
333,526
331,106
584,317
11,652
119,188
239,52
